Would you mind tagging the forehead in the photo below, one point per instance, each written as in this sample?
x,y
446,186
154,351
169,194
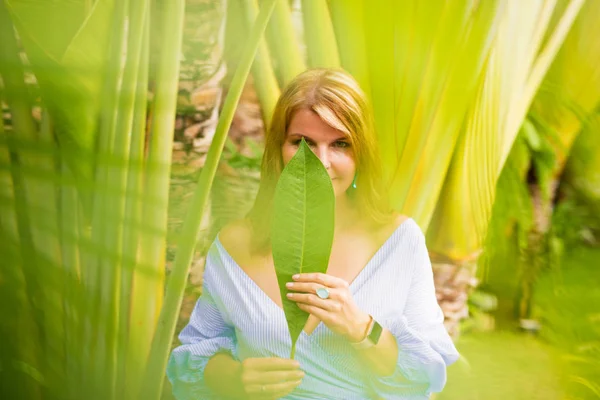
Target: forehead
x,y
307,123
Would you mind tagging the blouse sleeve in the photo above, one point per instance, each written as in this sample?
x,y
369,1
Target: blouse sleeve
x,y
205,335
425,347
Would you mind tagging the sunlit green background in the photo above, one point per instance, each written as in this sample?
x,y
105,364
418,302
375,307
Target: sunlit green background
x,y
133,130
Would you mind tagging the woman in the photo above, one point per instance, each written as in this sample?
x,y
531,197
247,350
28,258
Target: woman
x,y
375,332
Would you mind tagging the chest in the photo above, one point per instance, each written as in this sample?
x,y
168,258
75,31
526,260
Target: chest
x,y
261,330
349,255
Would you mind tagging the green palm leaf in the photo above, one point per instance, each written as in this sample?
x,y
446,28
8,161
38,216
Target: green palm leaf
x,y
459,224
321,46
302,229
67,45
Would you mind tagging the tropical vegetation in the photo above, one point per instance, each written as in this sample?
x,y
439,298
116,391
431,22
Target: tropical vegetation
x,y
486,114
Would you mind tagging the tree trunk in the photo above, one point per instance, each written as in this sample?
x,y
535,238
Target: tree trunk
x,y
454,282
535,256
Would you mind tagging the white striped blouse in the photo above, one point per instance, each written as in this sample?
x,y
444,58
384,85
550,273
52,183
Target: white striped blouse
x,y
396,287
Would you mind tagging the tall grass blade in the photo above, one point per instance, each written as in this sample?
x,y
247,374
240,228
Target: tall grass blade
x,y
283,44
348,18
267,88
157,361
148,280
319,35
133,208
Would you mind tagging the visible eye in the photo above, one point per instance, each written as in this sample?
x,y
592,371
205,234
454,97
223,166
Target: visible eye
x,y
341,144
296,142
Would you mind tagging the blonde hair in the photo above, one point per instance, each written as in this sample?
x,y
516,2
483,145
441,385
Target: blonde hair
x,y
339,101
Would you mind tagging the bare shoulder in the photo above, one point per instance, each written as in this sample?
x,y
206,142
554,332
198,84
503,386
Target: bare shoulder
x,y
413,228
383,232
399,220
235,238
396,222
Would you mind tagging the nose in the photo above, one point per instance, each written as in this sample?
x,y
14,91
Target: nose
x,y
323,155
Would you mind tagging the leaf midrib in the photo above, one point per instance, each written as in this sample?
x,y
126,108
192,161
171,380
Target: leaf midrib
x,y
303,219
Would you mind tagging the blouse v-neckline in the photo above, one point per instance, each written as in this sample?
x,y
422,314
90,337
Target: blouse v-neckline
x,y
352,285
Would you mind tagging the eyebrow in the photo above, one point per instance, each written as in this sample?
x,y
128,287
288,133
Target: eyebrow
x,y
308,138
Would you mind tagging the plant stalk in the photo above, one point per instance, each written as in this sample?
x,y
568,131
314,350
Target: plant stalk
x,y
157,362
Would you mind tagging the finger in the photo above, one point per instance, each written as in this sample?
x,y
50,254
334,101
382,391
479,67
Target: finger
x,y
253,381
316,311
311,324
287,390
329,304
310,329
323,279
307,287
267,390
272,364
272,377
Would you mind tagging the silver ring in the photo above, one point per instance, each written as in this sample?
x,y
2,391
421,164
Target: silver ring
x,y
323,292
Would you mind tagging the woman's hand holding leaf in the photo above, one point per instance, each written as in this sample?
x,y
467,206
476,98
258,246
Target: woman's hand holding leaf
x,y
338,312
269,377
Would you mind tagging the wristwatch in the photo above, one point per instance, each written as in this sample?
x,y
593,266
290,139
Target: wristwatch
x,y
372,338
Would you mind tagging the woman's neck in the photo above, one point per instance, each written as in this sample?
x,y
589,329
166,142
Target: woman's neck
x,y
346,215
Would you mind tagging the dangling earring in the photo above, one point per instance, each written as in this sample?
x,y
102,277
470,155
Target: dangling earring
x,y
354,181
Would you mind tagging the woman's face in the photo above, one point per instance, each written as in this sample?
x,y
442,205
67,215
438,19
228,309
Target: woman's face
x,y
330,145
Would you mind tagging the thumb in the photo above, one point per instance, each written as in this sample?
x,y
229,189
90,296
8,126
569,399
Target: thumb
x,y
311,324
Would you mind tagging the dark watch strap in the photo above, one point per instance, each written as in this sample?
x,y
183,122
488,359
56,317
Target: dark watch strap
x,y
375,333
372,338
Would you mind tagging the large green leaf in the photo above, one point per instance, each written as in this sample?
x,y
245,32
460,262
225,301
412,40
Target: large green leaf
x,y
440,56
582,171
302,228
283,44
459,223
348,19
321,46
66,42
571,88
267,88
